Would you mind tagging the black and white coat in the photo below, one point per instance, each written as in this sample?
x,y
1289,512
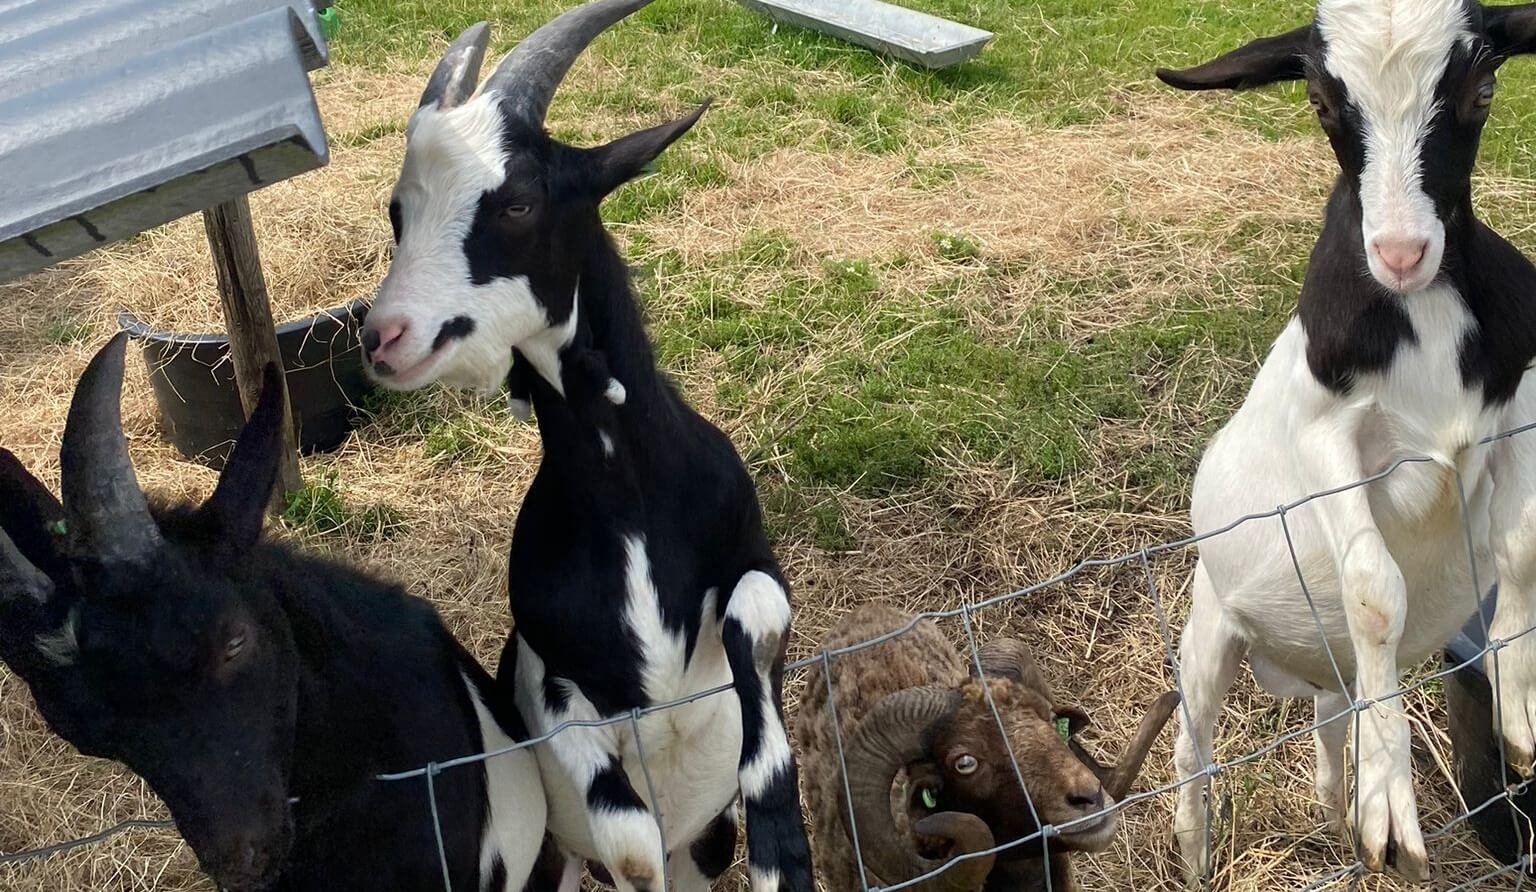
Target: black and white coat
x,y
1415,331
639,570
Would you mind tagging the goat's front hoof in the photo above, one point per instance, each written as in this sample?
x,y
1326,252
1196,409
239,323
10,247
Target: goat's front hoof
x,y
1401,850
1413,867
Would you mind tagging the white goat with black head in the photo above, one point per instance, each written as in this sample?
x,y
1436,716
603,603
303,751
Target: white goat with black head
x,y
1415,328
639,570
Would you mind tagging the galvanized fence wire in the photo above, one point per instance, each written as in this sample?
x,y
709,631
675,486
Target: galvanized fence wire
x,y
1354,711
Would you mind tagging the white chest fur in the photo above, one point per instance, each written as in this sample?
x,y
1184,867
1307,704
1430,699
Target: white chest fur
x,y
1417,407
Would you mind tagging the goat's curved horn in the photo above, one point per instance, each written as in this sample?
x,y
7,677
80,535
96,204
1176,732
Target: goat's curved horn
x,y
528,77
457,73
1119,781
108,515
892,735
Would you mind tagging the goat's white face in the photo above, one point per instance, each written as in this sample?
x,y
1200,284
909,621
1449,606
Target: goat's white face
x,y
1384,64
437,317
492,219
1403,89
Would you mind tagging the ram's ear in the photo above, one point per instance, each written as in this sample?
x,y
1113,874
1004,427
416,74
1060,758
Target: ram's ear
x,y
1070,718
1264,61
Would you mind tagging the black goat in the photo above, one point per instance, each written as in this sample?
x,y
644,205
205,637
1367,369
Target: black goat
x,y
639,569
258,690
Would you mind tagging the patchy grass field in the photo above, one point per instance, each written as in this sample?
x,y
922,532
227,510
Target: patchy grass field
x,y
967,327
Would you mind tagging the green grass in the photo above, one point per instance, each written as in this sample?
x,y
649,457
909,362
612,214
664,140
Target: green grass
x,y
62,331
1056,62
320,508
908,386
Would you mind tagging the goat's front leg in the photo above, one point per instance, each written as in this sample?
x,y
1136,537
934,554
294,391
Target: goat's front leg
x,y
1210,654
1512,669
623,830
1375,608
756,633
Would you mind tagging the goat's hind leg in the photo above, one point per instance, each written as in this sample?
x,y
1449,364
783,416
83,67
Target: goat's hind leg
x,y
623,830
1330,775
694,868
1210,653
756,633
1512,519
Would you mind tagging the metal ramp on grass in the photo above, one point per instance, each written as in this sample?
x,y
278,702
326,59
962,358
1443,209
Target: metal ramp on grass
x,y
917,37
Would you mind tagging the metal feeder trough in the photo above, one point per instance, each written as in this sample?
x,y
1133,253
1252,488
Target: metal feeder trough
x,y
917,37
121,115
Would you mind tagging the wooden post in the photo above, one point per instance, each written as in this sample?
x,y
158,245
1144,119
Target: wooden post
x,y
248,320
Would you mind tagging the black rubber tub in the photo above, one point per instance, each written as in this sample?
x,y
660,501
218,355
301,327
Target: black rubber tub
x,y
194,382
1475,746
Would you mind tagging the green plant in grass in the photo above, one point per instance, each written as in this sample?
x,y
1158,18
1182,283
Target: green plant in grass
x,y
319,507
62,331
955,248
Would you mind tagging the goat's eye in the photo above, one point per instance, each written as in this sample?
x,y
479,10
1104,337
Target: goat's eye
x,y
966,764
516,211
235,645
1319,104
1485,94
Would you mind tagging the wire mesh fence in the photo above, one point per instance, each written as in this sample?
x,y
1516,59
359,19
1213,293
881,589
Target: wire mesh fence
x,y
1513,784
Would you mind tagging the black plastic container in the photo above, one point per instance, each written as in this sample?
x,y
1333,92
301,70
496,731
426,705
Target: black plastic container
x,y
1475,746
194,382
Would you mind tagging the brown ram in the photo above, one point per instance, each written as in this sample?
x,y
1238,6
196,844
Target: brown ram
x,y
910,704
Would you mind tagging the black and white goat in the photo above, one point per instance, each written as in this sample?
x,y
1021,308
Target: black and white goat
x,y
1415,329
639,569
258,690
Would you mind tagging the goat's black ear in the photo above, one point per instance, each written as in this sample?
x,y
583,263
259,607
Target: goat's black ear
x,y
1264,61
239,503
31,516
627,157
1511,29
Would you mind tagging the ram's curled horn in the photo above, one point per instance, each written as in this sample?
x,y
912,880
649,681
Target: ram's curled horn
x,y
529,76
457,73
1009,658
108,516
892,735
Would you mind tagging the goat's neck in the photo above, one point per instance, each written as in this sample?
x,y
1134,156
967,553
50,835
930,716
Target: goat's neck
x,y
360,710
604,343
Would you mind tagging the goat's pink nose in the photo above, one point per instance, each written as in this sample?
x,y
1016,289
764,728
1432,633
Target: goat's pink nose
x,y
1401,256
377,338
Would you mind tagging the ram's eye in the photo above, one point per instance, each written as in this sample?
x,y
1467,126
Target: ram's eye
x,y
517,211
1319,104
234,646
966,764
1485,94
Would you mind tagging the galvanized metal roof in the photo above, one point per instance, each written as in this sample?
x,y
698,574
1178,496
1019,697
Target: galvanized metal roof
x,y
119,115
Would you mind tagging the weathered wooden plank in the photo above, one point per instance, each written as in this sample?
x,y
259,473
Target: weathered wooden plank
x,y
248,319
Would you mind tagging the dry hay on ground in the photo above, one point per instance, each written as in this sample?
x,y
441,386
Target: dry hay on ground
x,y
1154,196
1056,202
